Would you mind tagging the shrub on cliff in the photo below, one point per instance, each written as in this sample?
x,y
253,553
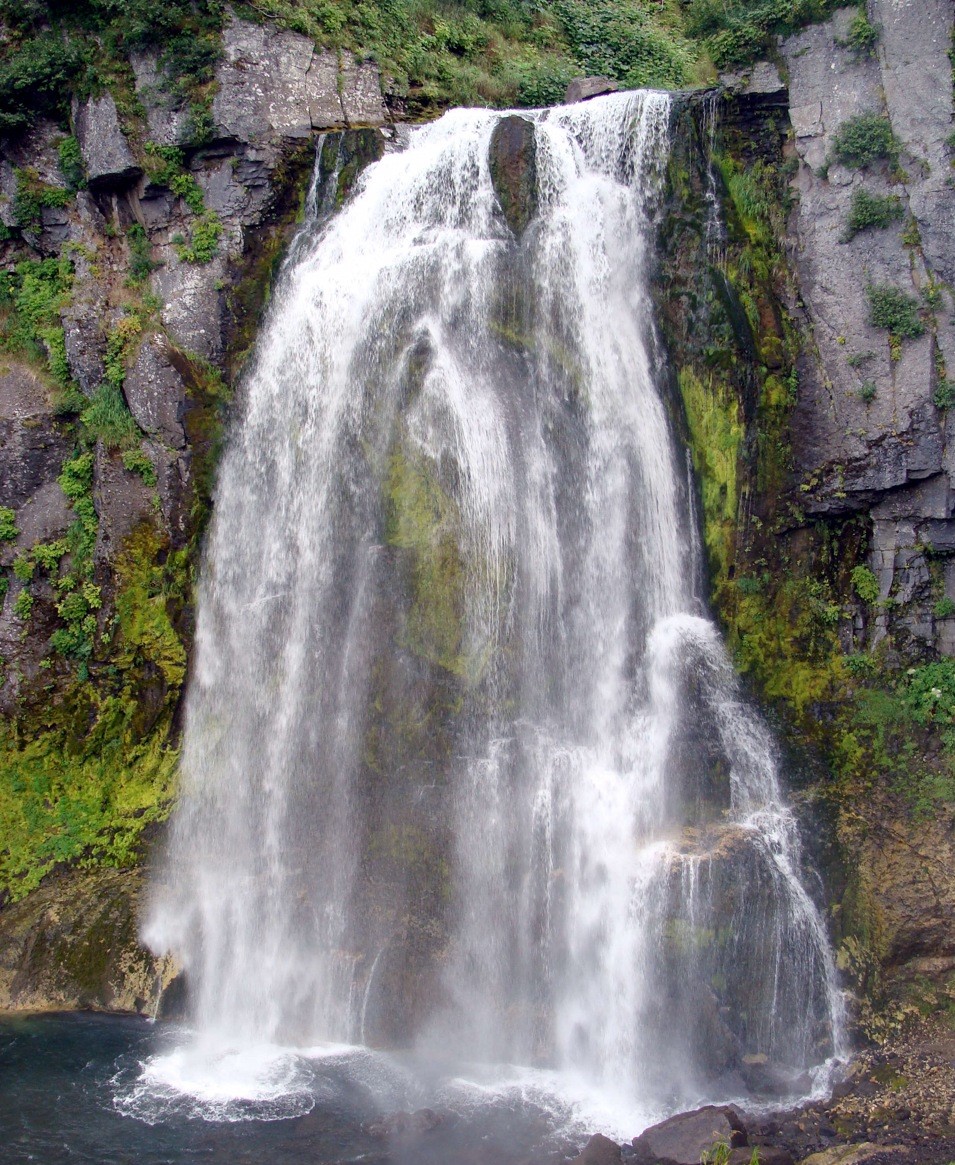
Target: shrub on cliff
x,y
892,309
864,139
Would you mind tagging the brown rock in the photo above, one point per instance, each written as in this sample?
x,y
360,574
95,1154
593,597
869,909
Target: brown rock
x,y
584,88
599,1150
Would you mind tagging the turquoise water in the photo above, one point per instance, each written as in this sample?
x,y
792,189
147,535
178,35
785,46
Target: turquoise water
x,y
72,1090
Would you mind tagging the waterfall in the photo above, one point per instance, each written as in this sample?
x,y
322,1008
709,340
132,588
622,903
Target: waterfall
x,y
461,742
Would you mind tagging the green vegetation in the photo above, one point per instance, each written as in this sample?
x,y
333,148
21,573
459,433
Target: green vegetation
x,y
31,297
8,525
893,309
863,36
864,139
737,31
867,211
944,395
865,584
434,52
203,244
140,254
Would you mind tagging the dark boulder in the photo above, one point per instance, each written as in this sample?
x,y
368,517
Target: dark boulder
x,y
513,160
599,1150
583,88
684,1138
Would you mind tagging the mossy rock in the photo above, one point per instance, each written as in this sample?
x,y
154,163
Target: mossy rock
x,y
73,943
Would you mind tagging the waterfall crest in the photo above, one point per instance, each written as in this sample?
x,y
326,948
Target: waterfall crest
x,y
453,512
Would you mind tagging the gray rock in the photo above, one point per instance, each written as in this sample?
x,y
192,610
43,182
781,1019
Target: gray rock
x,y
166,118
32,447
273,84
44,516
683,1139
762,80
583,88
513,162
106,154
173,485
155,393
192,301
122,501
362,102
321,91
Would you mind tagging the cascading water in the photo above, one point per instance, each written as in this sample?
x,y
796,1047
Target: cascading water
x,y
453,512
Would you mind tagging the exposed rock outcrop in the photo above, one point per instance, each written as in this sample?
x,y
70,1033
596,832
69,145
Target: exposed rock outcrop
x,y
869,434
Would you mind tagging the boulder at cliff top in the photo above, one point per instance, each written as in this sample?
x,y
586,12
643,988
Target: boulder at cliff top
x,y
513,159
583,88
684,1138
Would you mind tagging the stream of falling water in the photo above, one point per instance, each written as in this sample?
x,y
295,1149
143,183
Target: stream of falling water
x,y
625,906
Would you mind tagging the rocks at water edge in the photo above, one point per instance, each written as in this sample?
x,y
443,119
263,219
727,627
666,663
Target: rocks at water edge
x,y
513,162
684,1138
599,1150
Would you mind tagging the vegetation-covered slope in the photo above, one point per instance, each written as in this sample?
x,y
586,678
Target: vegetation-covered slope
x,y
433,53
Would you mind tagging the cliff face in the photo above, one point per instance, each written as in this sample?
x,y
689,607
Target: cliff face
x,y
869,434
811,329
135,270
814,359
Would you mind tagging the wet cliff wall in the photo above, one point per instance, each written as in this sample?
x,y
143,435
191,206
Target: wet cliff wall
x,y
813,365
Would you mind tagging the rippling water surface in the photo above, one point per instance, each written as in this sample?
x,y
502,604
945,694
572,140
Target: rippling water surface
x,y
109,1090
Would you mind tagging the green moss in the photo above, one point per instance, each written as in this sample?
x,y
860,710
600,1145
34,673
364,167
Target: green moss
x,y
423,523
146,585
716,436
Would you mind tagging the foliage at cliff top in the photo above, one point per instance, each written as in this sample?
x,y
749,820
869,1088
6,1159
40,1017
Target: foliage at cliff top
x,y
434,53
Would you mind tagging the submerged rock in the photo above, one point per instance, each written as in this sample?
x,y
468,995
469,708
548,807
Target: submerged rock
x,y
513,158
405,1124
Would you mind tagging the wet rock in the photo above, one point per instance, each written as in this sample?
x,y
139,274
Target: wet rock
x,y
684,1138
155,393
73,944
513,161
767,1155
599,1150
106,154
583,88
405,1124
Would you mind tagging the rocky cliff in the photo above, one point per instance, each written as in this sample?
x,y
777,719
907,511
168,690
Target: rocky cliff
x,y
136,263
